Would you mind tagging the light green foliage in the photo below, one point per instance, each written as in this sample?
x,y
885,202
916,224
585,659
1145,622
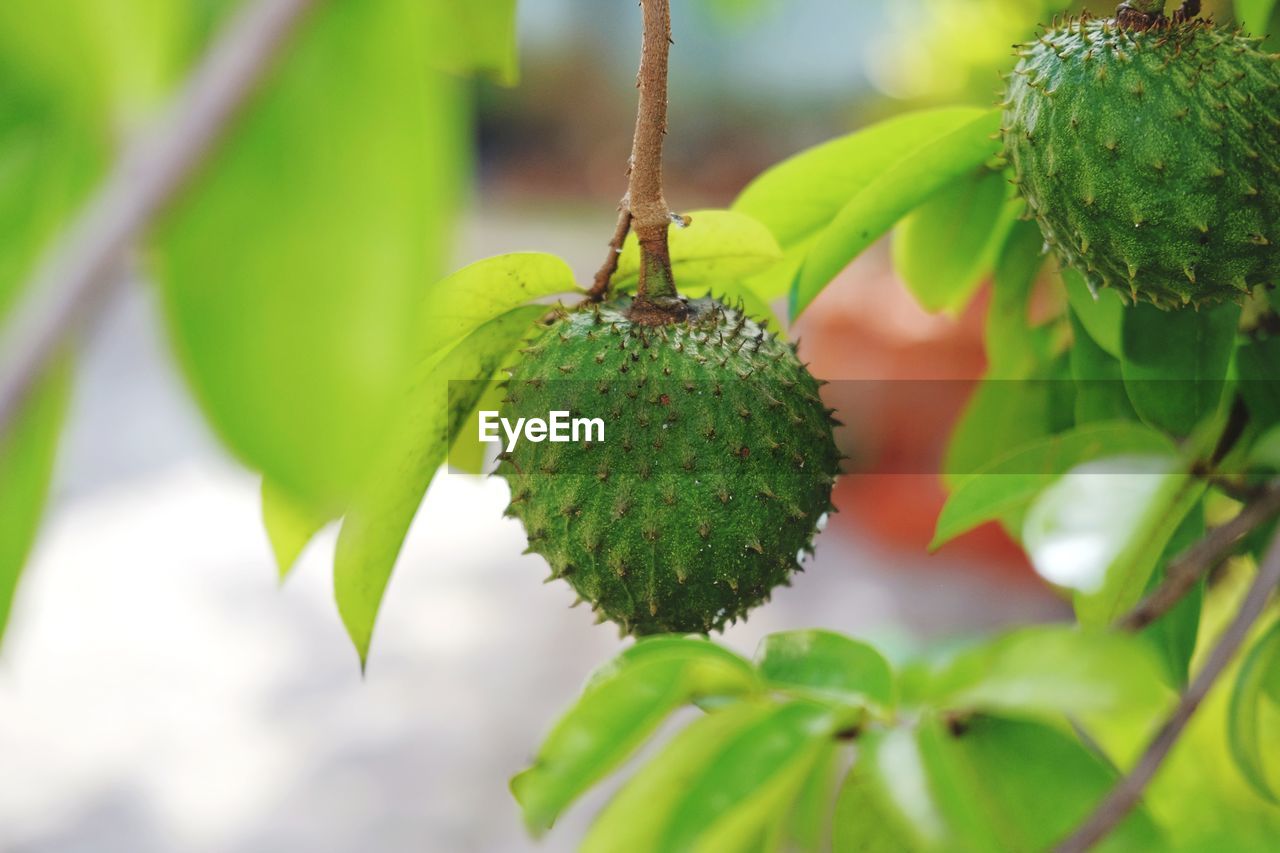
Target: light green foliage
x,y
717,246
291,267
1150,159
290,525
825,665
26,464
1254,14
476,36
717,463
944,250
1255,707
798,198
1101,314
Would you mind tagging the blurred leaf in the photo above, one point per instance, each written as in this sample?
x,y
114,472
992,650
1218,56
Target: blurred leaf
x,y
1101,316
1258,364
984,783
1255,15
944,249
719,248
1001,414
621,706
426,423
1265,452
1013,349
1255,703
1174,635
1100,392
290,525
722,784
906,183
27,450
458,304
478,35
826,666
292,266
1049,671
808,826
797,198
1100,530
1175,363
1005,488
468,454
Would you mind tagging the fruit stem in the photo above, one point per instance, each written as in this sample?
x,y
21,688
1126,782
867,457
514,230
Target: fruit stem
x,y
650,216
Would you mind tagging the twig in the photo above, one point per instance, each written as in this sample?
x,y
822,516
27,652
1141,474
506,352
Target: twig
x,y
1201,558
73,280
1125,795
650,216
600,286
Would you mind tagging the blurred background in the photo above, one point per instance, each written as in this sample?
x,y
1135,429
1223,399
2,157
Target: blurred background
x,y
159,692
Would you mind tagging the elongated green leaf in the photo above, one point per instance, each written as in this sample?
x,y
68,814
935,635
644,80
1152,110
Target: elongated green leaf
x,y
1255,15
1255,704
1101,316
1004,489
1101,529
904,185
1001,414
1049,671
946,247
1175,363
293,265
620,708
1099,382
808,827
798,197
1258,363
885,805
458,304
376,523
717,248
479,35
27,451
826,665
728,796
1174,635
290,525
1013,349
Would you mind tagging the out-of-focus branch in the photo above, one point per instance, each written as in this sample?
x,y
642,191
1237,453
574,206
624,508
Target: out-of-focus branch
x,y
75,277
1126,794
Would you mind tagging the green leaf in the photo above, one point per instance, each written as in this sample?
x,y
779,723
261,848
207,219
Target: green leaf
x,y
1101,316
479,35
290,525
1000,415
1175,363
905,184
27,450
717,248
1254,15
427,421
797,198
1174,635
946,247
1258,364
808,826
622,705
1014,349
458,304
982,784
1100,530
824,665
1006,488
727,797
1049,671
1099,383
1255,705
293,265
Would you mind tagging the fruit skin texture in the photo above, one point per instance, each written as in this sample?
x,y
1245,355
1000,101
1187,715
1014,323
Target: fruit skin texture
x,y
1151,159
717,464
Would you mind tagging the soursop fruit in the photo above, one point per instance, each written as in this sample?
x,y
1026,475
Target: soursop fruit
x,y
1151,157
716,467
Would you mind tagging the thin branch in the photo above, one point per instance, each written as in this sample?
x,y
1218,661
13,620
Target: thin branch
x,y
650,216
1183,574
1125,795
77,275
600,286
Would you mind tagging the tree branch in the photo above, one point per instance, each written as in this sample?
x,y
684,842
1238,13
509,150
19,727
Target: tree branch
x,y
650,216
600,286
72,281
1200,559
1125,795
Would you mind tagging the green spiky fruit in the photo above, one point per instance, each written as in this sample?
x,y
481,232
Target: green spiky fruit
x,y
716,466
1151,158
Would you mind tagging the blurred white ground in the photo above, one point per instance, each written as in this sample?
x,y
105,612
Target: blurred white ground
x,y
159,693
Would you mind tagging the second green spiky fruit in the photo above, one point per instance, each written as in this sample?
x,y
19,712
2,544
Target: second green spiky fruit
x,y
716,467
